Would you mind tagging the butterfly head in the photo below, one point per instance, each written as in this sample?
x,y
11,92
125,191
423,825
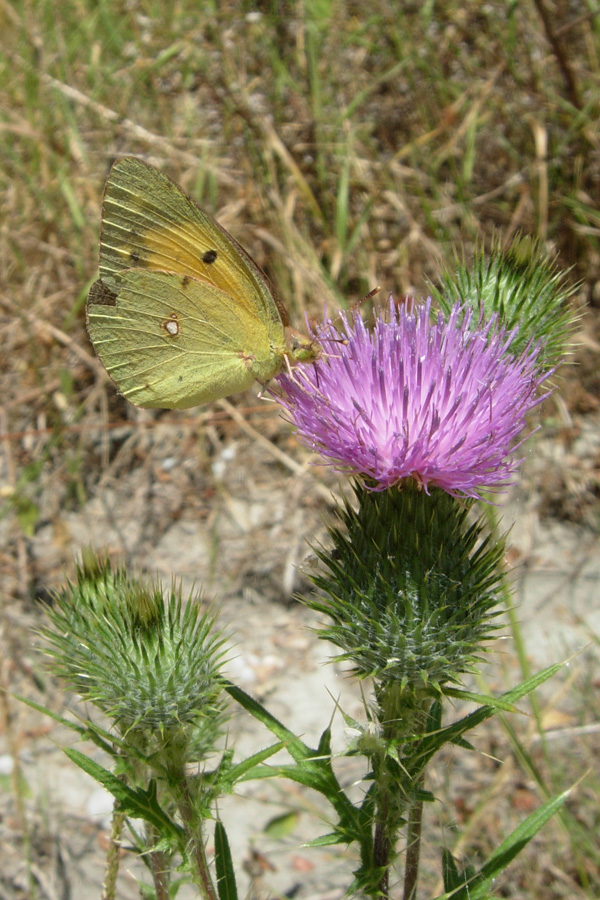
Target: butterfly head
x,y
300,347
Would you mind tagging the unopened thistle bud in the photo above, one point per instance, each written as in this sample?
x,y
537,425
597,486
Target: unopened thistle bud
x,y
148,662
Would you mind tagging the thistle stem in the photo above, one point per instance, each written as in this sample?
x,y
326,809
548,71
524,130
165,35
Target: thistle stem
x,y
381,846
413,849
109,888
160,874
196,841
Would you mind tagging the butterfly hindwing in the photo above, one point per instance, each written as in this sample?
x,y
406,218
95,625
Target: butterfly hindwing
x,y
173,341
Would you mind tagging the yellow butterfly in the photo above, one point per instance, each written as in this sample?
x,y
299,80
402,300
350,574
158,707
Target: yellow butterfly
x,y
181,314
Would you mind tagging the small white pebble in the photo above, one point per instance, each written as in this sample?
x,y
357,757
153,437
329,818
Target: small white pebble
x,y
7,764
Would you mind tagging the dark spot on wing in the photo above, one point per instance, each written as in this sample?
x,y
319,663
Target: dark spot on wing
x,y
185,281
134,256
101,294
209,257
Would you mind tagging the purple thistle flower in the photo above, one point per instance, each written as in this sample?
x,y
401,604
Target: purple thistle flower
x,y
434,402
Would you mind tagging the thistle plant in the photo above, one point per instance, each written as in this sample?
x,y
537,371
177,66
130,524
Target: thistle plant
x,y
151,665
426,415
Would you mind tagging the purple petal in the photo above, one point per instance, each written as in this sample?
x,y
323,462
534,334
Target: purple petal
x,y
437,402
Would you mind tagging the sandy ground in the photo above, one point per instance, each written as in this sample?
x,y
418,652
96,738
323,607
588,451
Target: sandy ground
x,y
236,520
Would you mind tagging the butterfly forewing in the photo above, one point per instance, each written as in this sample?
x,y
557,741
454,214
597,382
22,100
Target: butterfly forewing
x,y
148,222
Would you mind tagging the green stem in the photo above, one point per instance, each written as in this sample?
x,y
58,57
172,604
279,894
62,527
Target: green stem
x,y
491,514
413,849
404,720
160,874
381,845
109,888
197,852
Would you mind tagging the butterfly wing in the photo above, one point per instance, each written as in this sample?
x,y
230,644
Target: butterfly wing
x,y
173,341
148,222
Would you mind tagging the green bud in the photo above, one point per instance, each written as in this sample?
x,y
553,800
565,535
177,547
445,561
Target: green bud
x,y
524,287
410,588
150,663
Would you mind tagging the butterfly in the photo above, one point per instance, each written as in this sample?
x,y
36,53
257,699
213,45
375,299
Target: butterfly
x,y
181,314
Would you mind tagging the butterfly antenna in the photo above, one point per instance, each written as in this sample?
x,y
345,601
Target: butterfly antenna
x,y
356,306
372,293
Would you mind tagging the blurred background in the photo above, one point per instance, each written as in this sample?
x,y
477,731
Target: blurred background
x,y
345,145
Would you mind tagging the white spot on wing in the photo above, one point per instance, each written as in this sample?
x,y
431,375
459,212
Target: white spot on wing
x,y
171,326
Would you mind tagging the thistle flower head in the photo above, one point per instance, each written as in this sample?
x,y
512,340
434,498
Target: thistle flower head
x,y
440,403
150,663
